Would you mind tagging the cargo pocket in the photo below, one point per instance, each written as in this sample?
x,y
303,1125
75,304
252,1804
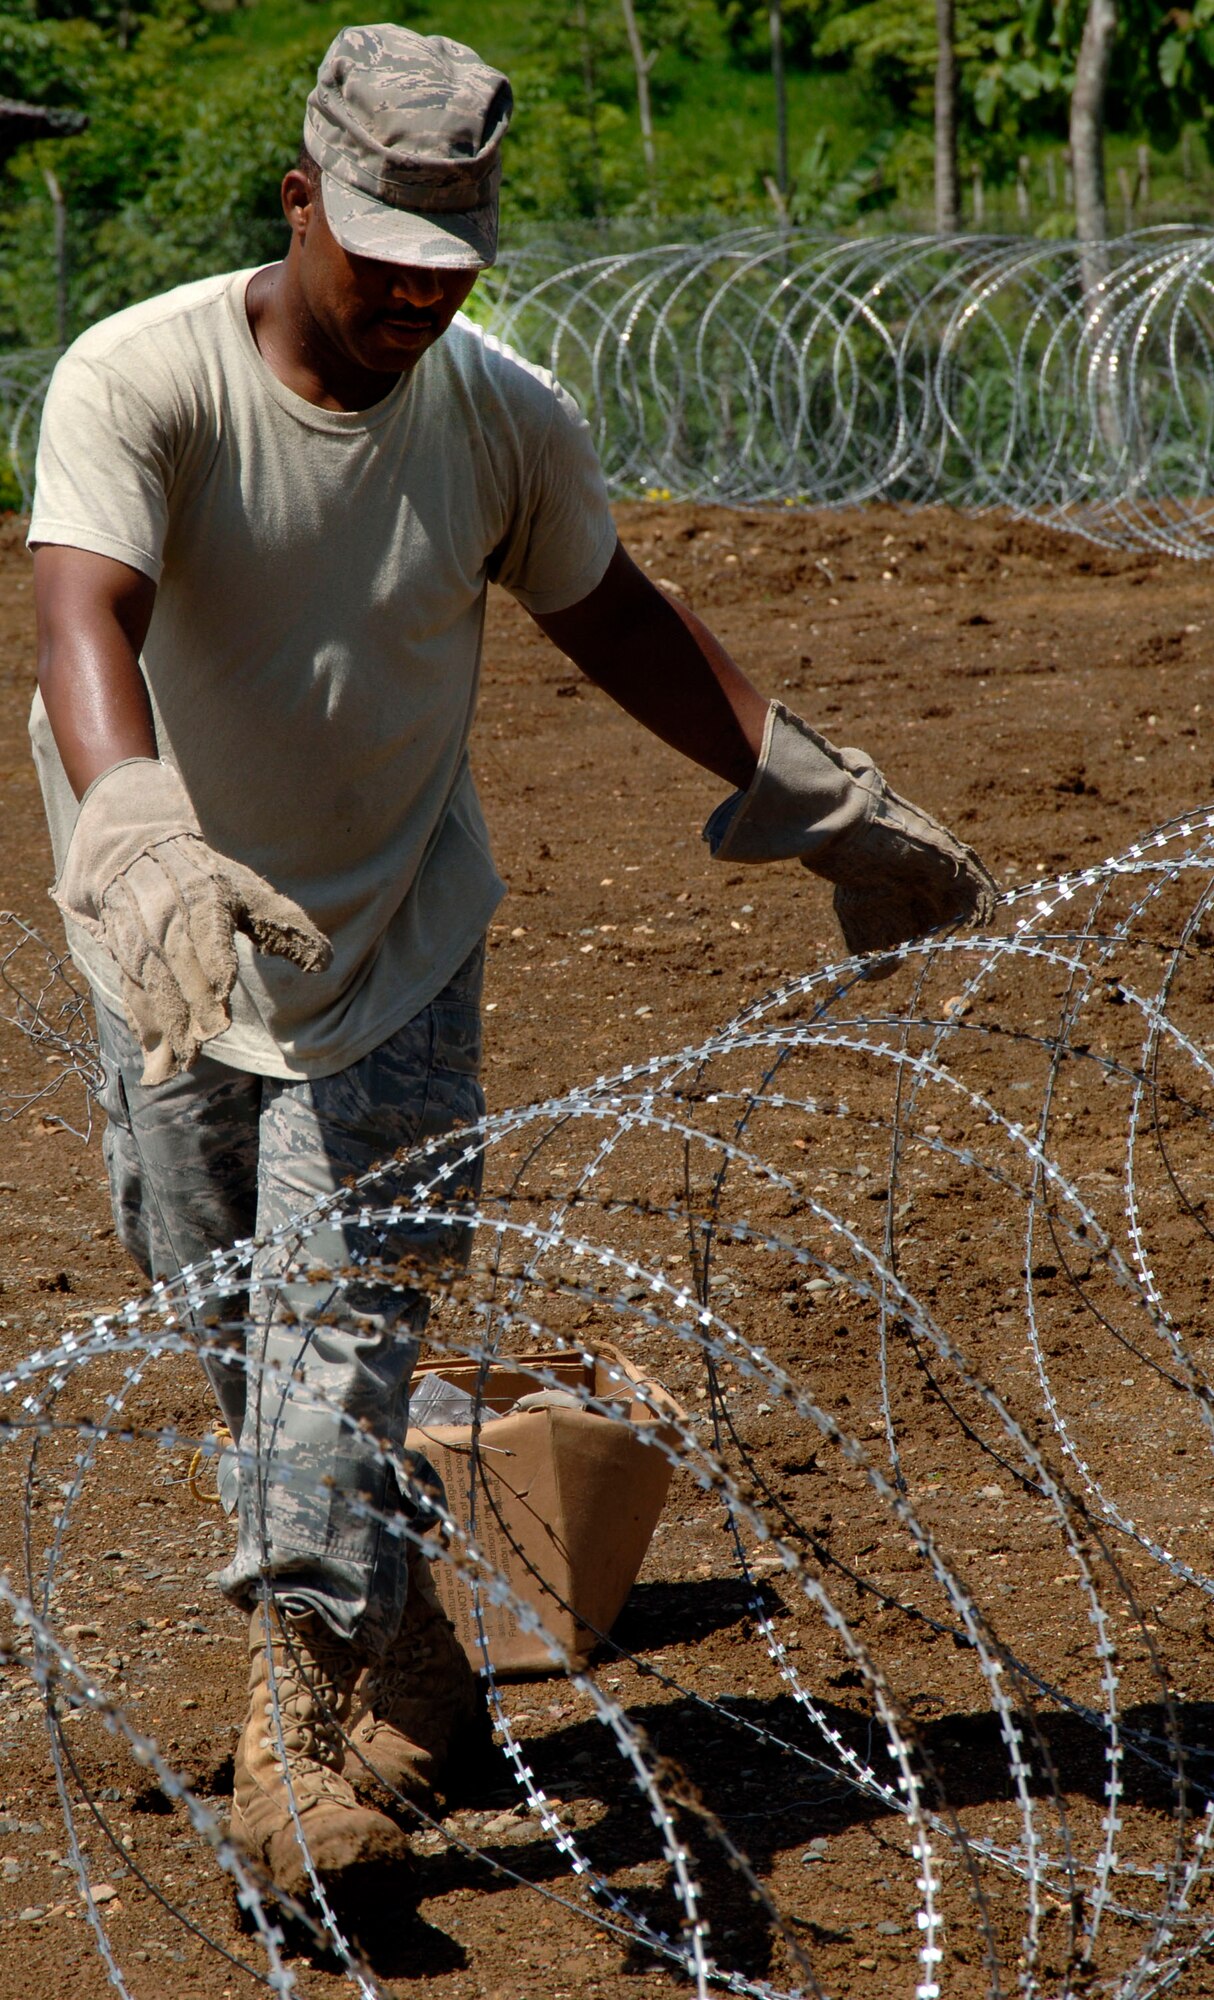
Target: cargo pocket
x,y
112,1096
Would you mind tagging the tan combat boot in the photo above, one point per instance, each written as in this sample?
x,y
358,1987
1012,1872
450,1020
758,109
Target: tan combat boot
x,y
315,1674
424,1711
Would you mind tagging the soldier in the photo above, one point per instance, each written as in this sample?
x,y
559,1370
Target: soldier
x,y
268,505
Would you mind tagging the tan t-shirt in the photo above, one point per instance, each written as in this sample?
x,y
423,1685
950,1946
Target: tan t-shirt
x,y
314,654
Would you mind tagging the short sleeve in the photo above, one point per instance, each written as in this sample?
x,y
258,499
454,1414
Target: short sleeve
x,y
104,466
562,537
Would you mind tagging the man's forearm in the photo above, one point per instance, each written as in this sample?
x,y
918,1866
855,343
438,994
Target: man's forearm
x,y
662,664
92,618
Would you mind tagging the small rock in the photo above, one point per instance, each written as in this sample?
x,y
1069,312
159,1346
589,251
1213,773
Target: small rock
x,y
990,1492
74,1632
816,1851
31,1915
957,1008
501,1826
104,1892
887,1928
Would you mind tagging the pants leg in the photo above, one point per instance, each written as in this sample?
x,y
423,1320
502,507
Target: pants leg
x,y
201,1160
182,1167
329,1362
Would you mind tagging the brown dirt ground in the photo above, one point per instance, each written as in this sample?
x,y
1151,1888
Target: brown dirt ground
x,y
1049,701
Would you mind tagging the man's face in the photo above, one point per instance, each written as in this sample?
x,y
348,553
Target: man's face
x,y
382,317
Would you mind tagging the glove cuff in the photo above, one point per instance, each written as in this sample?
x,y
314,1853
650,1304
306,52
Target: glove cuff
x,y
126,812
805,797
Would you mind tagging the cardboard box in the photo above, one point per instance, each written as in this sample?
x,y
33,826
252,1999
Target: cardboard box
x,y
566,1502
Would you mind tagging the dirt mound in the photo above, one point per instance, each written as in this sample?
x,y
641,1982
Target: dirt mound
x,y
963,1626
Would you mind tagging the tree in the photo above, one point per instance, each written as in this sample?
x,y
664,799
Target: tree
x,y
643,60
590,68
775,25
1157,62
948,199
747,25
1087,129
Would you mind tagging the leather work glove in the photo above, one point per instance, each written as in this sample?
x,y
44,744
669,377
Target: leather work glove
x,y
140,878
897,872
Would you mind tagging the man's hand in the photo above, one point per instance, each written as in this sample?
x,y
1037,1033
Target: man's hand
x,y
897,872
140,878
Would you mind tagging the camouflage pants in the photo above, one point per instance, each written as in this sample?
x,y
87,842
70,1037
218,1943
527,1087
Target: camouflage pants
x,y
321,1381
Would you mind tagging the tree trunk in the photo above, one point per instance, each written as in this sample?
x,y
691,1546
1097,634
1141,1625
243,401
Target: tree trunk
x,y
642,64
775,23
948,192
590,89
59,210
1091,205
1087,135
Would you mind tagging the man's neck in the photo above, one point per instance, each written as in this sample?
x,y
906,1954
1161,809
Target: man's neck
x,y
293,348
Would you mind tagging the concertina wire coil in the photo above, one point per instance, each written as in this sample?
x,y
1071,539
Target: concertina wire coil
x,y
767,367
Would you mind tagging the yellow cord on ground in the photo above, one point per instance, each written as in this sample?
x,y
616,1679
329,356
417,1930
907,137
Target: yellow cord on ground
x,y
222,1436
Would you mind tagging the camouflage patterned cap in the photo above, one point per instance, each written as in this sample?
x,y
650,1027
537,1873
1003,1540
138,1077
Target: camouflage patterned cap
x,y
407,132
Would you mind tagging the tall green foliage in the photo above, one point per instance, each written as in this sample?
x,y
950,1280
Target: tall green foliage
x,y
746,24
177,172
575,149
1017,62
194,113
1162,75
893,43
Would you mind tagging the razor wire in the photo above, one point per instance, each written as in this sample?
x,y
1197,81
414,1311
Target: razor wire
x,y
898,1251
782,368
778,367
40,996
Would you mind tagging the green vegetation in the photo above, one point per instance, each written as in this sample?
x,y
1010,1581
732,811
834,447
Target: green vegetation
x,y
195,107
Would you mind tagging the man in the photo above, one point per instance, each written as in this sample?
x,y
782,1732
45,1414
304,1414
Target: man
x,y
267,508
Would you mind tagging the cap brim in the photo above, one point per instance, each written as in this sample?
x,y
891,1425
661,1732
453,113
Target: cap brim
x,y
464,240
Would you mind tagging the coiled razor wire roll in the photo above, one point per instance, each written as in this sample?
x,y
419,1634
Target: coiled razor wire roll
x,y
775,367
767,367
901,1251
24,378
